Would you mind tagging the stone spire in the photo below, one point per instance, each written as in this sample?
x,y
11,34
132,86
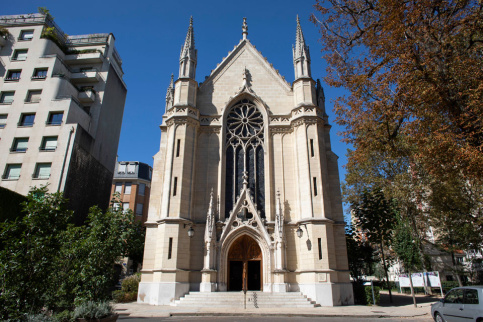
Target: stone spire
x,y
245,29
188,55
170,94
278,217
301,54
210,220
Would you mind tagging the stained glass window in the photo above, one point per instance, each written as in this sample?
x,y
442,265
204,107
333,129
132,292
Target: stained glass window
x,y
245,154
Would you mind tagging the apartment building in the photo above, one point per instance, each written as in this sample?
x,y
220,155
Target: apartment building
x,y
61,106
132,181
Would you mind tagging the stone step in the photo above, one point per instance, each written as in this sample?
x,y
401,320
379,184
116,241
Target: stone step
x,y
236,299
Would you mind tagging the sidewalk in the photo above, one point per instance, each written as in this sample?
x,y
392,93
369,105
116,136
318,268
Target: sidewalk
x,y
401,308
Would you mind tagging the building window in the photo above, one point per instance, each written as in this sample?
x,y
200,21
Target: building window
x,y
40,73
121,168
27,119
177,147
127,188
55,118
125,207
12,172
131,168
7,97
139,209
312,147
33,96
314,179
118,187
49,143
20,145
141,189
26,35
13,75
245,154
42,171
20,54
116,206
170,247
319,242
3,120
175,186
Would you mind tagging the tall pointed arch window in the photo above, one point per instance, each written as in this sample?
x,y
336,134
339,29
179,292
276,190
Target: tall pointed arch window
x,y
245,154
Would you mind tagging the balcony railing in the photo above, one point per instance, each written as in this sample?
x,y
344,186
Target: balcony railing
x,y
12,79
18,150
25,124
53,123
47,149
85,76
8,177
84,58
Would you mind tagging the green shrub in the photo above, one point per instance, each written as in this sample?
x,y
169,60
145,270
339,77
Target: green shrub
x,y
377,295
131,284
64,316
37,318
93,310
359,294
4,32
448,285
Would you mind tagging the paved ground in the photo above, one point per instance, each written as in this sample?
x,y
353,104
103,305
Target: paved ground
x,y
401,309
266,319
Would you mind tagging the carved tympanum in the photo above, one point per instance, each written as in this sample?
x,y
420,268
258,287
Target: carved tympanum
x,y
245,248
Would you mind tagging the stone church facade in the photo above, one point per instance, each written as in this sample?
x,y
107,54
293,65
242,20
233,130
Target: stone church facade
x,y
245,190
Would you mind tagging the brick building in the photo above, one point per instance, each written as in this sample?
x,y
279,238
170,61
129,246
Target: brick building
x,y
132,181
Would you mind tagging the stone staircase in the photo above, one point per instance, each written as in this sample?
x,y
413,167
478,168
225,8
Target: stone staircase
x,y
236,299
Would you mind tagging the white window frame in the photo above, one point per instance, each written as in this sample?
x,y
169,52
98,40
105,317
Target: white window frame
x,y
118,187
8,171
43,170
127,188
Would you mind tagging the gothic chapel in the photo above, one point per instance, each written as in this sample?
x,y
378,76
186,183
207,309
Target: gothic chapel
x,y
245,190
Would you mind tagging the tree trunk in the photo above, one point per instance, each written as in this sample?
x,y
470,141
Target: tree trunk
x,y
385,271
412,288
456,270
427,289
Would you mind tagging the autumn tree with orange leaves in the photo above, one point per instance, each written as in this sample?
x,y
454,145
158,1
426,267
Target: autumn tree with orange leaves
x,y
414,70
414,73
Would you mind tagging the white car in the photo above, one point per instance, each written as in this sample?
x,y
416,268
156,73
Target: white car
x,y
460,304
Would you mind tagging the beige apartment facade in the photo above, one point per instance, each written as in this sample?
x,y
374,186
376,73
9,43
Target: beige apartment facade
x,y
61,107
245,191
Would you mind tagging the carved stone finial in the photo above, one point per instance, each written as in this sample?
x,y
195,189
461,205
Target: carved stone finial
x,y
245,75
245,28
170,93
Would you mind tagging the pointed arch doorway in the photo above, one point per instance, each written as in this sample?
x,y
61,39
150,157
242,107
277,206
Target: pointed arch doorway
x,y
245,265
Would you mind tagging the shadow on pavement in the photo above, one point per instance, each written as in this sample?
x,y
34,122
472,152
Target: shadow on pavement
x,y
406,299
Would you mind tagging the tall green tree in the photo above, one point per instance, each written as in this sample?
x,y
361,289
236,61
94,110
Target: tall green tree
x,y
376,217
407,248
47,262
360,254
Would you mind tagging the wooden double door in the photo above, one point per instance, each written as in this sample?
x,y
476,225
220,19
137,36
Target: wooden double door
x,y
245,265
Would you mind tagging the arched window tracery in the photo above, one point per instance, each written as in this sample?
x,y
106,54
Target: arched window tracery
x,y
245,154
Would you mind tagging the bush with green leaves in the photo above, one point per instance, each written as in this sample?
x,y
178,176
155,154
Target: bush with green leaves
x,y
377,295
129,289
93,310
48,263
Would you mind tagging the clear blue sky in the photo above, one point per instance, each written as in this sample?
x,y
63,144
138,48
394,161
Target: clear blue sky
x,y
149,35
